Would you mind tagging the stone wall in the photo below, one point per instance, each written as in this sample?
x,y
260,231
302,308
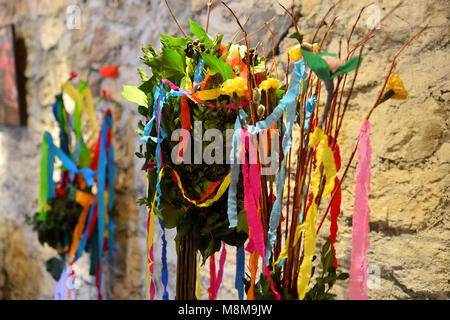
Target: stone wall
x,y
411,150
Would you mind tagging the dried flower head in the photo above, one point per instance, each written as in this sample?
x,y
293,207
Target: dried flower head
x,y
270,83
396,84
236,85
295,53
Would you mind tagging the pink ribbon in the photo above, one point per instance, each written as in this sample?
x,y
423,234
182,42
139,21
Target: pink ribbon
x,y
252,184
218,281
361,218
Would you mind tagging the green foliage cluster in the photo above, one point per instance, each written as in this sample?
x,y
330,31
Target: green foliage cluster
x,y
328,277
57,229
209,225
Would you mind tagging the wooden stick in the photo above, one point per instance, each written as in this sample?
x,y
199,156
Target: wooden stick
x,y
208,12
376,104
175,19
292,15
273,51
258,30
323,19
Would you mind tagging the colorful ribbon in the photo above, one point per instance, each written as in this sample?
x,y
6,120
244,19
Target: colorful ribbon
x,y
47,186
224,183
289,100
252,182
164,272
240,272
101,185
361,217
336,202
215,281
325,158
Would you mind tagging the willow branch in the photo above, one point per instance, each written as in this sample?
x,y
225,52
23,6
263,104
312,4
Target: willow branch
x,y
175,19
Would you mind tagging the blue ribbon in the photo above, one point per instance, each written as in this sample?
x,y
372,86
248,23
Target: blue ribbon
x,y
111,195
160,98
164,273
240,271
234,174
101,177
310,105
68,164
286,104
198,73
290,102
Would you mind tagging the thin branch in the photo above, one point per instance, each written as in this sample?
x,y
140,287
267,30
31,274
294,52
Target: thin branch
x,y
354,26
292,16
370,34
392,67
174,18
326,32
249,84
208,12
239,31
258,30
273,51
323,19
368,117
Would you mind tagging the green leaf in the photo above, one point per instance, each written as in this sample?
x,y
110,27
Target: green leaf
x,y
343,276
143,110
297,36
134,94
169,41
330,54
319,66
143,74
200,33
347,67
330,278
173,64
170,214
328,262
242,224
216,65
149,85
326,246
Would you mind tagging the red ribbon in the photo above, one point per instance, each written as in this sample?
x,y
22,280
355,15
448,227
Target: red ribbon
x,y
336,204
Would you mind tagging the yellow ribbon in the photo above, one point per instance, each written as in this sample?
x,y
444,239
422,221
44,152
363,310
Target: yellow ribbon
x,y
188,86
209,94
223,187
324,157
199,283
150,234
79,97
151,228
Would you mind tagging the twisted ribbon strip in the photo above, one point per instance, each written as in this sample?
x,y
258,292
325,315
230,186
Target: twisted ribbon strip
x,y
361,217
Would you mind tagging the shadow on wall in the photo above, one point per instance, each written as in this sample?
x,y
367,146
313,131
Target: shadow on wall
x,y
21,65
20,276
